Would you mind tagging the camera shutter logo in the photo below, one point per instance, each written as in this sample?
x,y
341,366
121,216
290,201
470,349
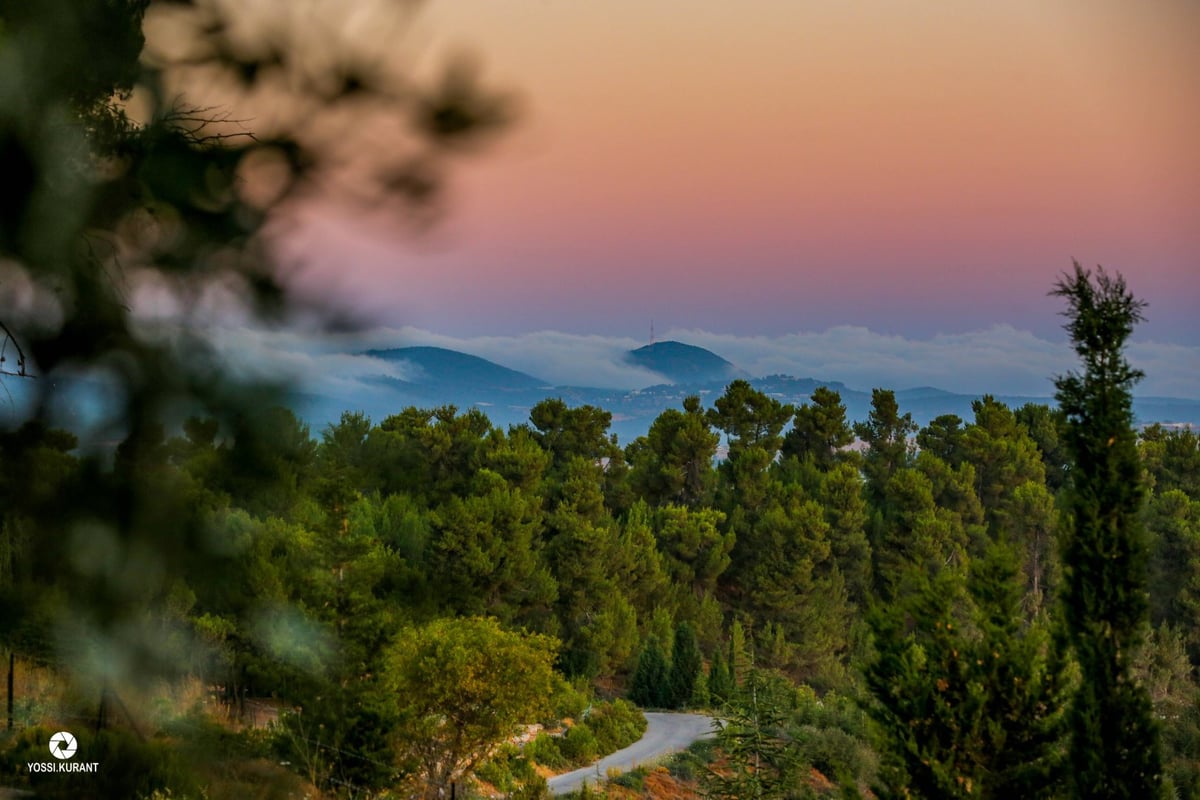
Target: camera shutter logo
x,y
63,745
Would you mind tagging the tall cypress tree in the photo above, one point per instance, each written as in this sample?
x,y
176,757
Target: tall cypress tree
x,y
720,682
1114,745
686,664
651,686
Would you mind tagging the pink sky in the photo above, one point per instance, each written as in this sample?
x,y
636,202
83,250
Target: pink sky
x,y
778,165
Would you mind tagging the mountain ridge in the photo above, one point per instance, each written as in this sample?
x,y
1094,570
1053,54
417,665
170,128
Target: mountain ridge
x,y
507,395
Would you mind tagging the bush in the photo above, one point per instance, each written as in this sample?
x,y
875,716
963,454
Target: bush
x,y
510,772
832,711
201,737
684,767
567,701
340,737
497,770
579,745
835,753
535,788
634,779
1180,744
544,750
522,769
608,728
615,725
689,764
831,735
585,793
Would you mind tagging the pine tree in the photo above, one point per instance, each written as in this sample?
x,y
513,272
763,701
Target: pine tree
x,y
1024,682
1114,743
651,680
841,498
762,757
819,430
1005,458
943,437
685,665
966,697
672,463
886,434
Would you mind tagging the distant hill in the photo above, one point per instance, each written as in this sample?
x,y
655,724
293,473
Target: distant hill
x,y
438,367
684,363
436,376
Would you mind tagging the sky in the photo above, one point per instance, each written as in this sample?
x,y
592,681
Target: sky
x,y
919,172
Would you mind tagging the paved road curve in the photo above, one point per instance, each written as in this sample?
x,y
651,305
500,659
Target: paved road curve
x,y
665,733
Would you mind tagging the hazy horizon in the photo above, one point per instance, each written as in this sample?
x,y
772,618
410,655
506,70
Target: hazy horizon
x,y
1000,360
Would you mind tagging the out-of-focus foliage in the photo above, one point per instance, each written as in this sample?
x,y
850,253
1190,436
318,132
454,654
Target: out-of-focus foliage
x,y
132,211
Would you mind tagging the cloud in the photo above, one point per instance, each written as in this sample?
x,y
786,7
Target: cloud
x,y
998,360
1172,370
561,359
313,362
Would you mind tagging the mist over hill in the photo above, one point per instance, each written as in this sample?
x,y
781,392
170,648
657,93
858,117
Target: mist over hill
x,y
434,376
450,370
382,381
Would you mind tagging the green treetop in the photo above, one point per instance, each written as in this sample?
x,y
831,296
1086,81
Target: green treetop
x,y
463,686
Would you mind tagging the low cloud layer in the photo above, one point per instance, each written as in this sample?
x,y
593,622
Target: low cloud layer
x,y
998,360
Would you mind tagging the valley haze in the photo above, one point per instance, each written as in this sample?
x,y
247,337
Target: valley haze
x,y
383,370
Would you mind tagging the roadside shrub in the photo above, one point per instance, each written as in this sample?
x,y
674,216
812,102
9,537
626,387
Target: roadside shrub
x,y
834,753
497,769
201,736
544,750
609,726
340,737
615,725
579,745
635,779
831,711
512,773
691,763
535,788
522,769
567,702
831,734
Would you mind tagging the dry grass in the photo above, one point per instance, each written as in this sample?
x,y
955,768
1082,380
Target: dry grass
x,y
658,785
45,696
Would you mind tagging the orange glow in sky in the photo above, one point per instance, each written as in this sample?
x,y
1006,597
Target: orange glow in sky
x,y
909,166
